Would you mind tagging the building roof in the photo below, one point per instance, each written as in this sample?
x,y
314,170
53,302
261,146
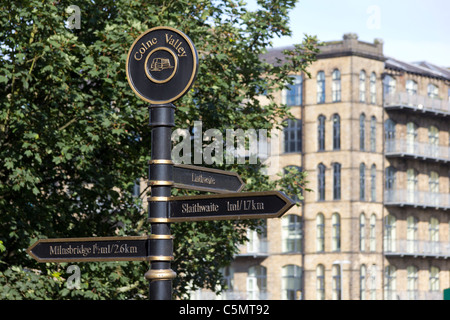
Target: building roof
x,y
422,68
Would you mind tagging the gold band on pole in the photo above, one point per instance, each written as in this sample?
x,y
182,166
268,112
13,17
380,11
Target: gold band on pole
x,y
160,258
160,274
160,161
160,183
158,220
158,198
160,237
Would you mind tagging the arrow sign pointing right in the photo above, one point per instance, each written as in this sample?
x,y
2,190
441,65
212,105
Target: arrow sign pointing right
x,y
231,206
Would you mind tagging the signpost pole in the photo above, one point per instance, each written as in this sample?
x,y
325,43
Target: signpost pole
x,y
160,274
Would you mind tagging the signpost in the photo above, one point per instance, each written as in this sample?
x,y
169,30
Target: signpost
x,y
162,64
90,249
206,179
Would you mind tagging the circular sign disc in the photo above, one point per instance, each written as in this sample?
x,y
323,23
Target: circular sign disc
x,y
162,65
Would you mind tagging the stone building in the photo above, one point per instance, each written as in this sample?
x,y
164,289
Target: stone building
x,y
373,133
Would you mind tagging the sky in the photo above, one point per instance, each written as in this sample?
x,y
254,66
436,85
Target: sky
x,y
412,30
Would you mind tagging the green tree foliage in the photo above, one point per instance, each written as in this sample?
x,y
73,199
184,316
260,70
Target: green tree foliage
x,y
74,137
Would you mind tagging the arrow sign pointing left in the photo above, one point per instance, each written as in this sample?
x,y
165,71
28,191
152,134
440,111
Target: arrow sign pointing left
x,y
90,249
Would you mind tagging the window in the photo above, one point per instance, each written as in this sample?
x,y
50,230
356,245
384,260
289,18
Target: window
x,y
434,279
257,283
390,178
411,136
362,86
411,87
320,282
390,283
433,184
433,91
336,86
362,132
389,127
321,133
362,182
373,282
362,232
293,94
291,233
257,239
373,88
336,232
321,181
228,277
389,84
320,233
336,132
336,284
411,185
291,282
362,282
373,234
373,134
412,281
412,244
321,87
336,181
434,235
390,233
433,138
373,183
293,136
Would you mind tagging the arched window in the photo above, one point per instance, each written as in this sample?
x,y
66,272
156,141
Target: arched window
x,y
433,91
336,132
411,185
362,182
257,283
336,181
362,86
336,86
336,232
362,282
291,233
390,283
433,185
412,282
373,183
321,181
373,233
434,236
411,136
389,128
433,138
320,87
373,134
292,136
390,233
373,88
362,132
320,282
412,244
291,282
389,85
321,133
362,232
336,284
294,172
294,93
390,178
320,233
411,87
434,279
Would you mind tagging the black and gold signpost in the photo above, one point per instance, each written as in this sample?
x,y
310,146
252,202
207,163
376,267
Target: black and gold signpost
x,y
162,64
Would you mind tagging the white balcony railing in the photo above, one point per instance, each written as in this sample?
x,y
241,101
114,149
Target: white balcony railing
x,y
414,295
417,248
417,198
259,248
399,147
416,103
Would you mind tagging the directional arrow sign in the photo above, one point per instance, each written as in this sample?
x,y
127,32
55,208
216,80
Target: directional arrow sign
x,y
206,179
90,249
231,206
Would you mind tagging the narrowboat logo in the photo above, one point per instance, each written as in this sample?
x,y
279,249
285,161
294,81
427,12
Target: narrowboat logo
x,y
162,64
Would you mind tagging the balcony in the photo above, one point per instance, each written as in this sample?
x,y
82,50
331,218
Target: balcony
x,y
416,103
417,150
417,248
414,295
255,249
417,199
